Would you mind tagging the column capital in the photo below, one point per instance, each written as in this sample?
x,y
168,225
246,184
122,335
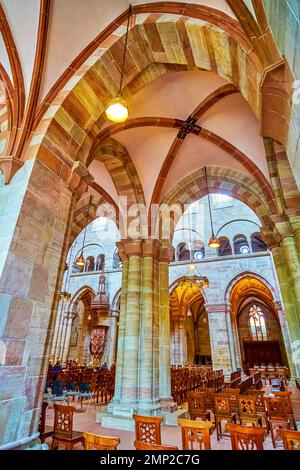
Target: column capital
x,y
166,252
9,165
80,179
129,247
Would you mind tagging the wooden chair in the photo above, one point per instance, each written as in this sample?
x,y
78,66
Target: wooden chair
x,y
146,446
209,400
260,406
63,428
277,417
147,428
247,410
233,398
291,439
195,434
45,431
95,442
197,406
246,437
223,412
288,406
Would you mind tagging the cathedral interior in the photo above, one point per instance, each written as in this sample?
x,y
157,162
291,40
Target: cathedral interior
x,y
149,225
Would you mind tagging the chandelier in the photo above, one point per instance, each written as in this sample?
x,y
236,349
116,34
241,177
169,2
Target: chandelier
x,y
117,109
192,278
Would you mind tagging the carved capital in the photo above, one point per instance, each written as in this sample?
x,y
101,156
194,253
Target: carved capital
x,y
80,179
9,165
166,252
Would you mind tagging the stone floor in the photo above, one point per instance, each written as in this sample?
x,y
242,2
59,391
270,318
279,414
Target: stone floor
x,y
85,420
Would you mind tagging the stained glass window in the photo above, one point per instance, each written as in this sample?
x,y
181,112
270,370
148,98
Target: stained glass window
x,y
257,324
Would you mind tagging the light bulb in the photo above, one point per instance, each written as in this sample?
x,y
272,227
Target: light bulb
x,y
214,242
117,110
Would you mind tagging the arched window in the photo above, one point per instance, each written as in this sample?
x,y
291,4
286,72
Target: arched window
x,y
225,247
117,263
183,252
198,251
100,262
241,245
90,264
257,324
257,244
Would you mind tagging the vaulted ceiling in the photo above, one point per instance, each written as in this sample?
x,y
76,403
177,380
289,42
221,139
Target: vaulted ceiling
x,y
193,79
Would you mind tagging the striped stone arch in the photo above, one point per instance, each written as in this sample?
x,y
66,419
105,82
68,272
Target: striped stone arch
x,y
86,212
118,162
222,180
205,38
5,123
84,294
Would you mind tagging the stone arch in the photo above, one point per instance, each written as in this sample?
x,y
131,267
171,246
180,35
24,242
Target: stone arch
x,y
116,300
79,295
66,132
273,294
118,162
222,180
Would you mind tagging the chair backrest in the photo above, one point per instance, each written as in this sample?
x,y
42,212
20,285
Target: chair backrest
x,y
247,408
287,400
209,398
57,388
70,387
146,446
196,403
291,439
147,428
84,387
63,420
43,417
96,442
246,437
222,404
276,408
195,434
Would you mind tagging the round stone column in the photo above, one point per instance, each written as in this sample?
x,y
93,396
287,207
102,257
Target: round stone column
x,y
219,337
179,340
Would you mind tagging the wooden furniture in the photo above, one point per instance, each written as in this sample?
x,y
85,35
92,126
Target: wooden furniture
x,y
45,431
146,446
260,406
223,412
247,410
197,406
277,417
63,428
209,400
195,434
246,437
291,439
233,394
288,406
95,442
147,428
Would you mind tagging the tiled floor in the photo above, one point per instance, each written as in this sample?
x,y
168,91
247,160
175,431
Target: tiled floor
x,y
85,420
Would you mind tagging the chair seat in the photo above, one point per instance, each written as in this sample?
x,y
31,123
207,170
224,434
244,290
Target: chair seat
x,y
77,436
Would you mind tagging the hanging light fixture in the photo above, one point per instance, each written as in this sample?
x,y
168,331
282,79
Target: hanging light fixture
x,y
192,278
80,260
214,242
117,109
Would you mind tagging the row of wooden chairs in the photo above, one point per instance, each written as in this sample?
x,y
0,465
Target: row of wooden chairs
x,y
272,413
187,379
195,434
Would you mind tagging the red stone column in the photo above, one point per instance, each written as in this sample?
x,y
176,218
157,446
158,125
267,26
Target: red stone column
x,y
32,271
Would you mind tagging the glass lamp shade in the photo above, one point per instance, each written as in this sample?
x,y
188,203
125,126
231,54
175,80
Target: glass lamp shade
x,y
80,261
214,242
117,110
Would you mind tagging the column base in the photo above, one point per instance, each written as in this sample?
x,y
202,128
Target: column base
x,y
28,443
119,416
168,405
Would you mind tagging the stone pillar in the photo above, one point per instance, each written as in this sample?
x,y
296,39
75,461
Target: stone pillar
x,y
138,360
165,328
219,337
179,340
111,342
69,318
31,263
290,304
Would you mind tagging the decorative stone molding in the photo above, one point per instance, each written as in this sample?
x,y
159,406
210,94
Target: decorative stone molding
x,y
10,165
